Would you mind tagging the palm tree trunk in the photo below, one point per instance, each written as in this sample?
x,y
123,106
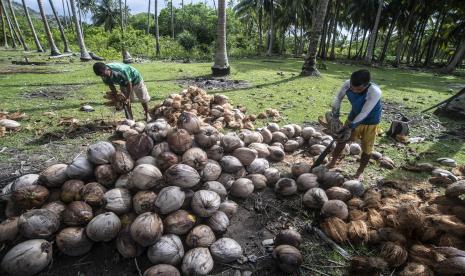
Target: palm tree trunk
x,y
260,28
60,27
5,39
296,22
148,18
374,31
80,39
65,20
309,67
388,38
172,19
458,56
437,28
157,31
15,21
53,47
321,49
360,50
350,41
126,56
332,55
221,65
80,18
33,30
400,43
69,14
271,34
10,26
417,51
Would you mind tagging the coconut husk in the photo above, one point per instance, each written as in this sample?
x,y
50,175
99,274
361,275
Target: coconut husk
x,y
395,255
355,203
360,265
451,266
424,255
427,232
391,221
410,217
389,206
459,212
416,269
448,224
357,215
375,219
335,228
449,252
358,231
389,234
448,239
430,209
409,198
388,192
373,237
372,199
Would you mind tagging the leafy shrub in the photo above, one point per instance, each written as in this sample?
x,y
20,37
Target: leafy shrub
x,y
187,40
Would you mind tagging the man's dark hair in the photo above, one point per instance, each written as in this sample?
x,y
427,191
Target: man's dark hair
x,y
360,78
99,68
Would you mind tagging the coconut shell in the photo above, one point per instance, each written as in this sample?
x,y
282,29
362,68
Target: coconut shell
x,y
122,162
160,148
289,237
218,222
146,160
169,199
179,141
276,154
144,201
230,142
92,193
267,135
291,146
288,258
29,197
279,137
103,227
200,236
80,168
375,219
118,200
286,187
197,261
190,122
73,241
105,175
196,158
205,203
38,224
335,208
207,137
162,270
216,187
179,222
71,191
358,231
28,257
335,228
229,207
245,155
315,198
168,249
166,159
262,149
145,177
216,152
394,254
300,168
77,213
182,175
259,181
8,229
338,193
211,171
306,182
146,229
100,153
139,145
54,176
242,188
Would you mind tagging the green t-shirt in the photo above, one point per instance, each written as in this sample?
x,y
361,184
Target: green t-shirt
x,y
122,74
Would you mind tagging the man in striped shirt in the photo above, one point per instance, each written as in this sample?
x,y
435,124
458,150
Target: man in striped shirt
x,y
364,117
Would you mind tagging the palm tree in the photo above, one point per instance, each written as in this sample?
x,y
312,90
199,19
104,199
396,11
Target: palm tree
x,y
172,19
374,31
10,27
148,18
60,27
309,67
457,58
270,32
126,56
5,40
33,30
157,30
15,21
221,66
80,39
53,47
106,14
251,11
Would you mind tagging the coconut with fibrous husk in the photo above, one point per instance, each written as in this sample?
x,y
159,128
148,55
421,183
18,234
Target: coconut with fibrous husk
x,y
314,198
182,175
167,250
100,153
242,188
229,207
73,241
158,130
272,176
216,187
276,154
38,224
215,152
338,193
29,197
288,258
392,235
92,193
410,216
259,181
103,227
355,203
370,266
179,222
226,250
122,162
160,148
126,245
289,237
53,176
211,171
416,269
335,228
394,254
195,157
118,200
245,155
373,237
375,219
139,145
77,213
162,270
169,199
28,257
262,149
230,164
166,159
447,223
331,179
145,177
335,208
456,189
144,201
179,141
189,122
8,229
357,215
146,229
197,261
425,255
285,187
358,231
105,175
372,199
230,142
71,191
355,187
218,222
207,137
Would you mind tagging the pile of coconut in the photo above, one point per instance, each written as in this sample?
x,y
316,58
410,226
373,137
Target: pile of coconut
x,y
214,110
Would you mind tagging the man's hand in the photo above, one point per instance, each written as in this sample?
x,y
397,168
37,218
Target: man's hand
x,y
343,134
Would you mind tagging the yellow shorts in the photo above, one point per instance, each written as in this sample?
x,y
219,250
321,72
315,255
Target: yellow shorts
x,y
140,91
367,135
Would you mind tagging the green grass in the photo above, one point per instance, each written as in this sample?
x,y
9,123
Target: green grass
x,y
299,99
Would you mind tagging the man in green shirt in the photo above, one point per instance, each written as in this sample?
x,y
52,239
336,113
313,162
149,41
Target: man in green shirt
x,y
129,80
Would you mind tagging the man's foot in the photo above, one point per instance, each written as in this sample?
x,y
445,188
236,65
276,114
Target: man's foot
x,y
359,176
331,165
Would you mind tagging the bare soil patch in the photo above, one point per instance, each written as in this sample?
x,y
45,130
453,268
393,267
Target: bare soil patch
x,y
52,92
17,69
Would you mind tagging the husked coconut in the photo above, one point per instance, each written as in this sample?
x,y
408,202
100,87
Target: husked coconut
x,y
29,197
227,180
307,181
179,141
250,137
129,133
242,188
179,222
211,171
28,257
126,245
139,145
147,229
77,213
230,142
216,187
80,168
230,164
262,149
272,175
276,154
307,132
146,160
169,199
105,175
355,187
182,175
167,250
258,180
331,179
195,157
123,182
73,241
278,145
228,207
5,192
9,124
53,176
158,130
189,122
317,149
197,261
118,200
291,146
300,141
215,152
279,137
121,129
55,206
218,222
166,159
100,153
145,177
122,162
285,187
338,193
160,148
71,191
8,229
205,203
162,270
38,224
103,227
288,130
273,127
92,193
355,149
300,168
289,237
200,236
335,208
23,181
207,137
288,257
226,250
259,165
245,155
144,201
139,126
266,135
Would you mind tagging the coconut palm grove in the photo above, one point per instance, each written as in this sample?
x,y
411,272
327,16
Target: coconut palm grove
x,y
240,137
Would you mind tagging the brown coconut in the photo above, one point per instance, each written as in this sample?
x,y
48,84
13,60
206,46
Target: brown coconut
x,y
144,201
179,141
29,197
355,203
335,208
139,145
8,229
77,213
105,175
392,235
289,237
196,158
71,191
259,181
245,155
92,193
335,228
300,168
215,152
357,215
53,176
338,193
416,269
314,198
306,182
262,149
166,159
276,154
424,255
375,219
372,199
122,162
288,258
369,266
200,236
358,231
410,217
179,222
394,254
